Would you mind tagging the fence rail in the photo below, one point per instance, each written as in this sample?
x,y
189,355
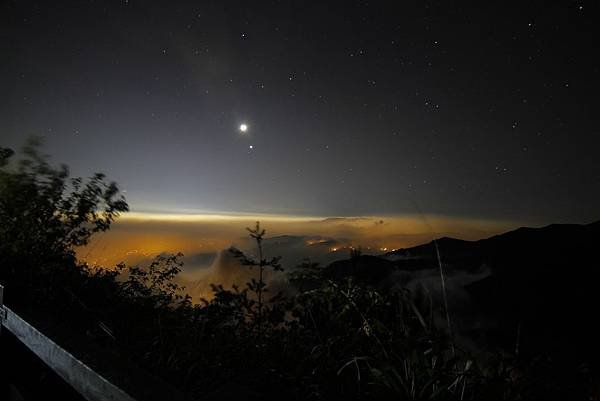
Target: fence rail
x,y
88,383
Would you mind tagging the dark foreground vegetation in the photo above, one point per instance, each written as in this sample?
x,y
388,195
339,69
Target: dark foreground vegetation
x,y
348,331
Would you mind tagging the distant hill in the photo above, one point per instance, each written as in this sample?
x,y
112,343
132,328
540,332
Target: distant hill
x,y
525,242
450,246
544,283
370,269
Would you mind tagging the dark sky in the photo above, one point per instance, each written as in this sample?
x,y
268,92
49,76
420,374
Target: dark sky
x,y
353,108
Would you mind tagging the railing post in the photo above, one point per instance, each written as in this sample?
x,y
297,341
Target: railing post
x,y
2,310
4,389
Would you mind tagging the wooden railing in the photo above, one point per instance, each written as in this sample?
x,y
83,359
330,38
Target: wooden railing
x,y
89,384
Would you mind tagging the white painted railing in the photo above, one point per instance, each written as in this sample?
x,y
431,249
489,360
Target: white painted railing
x,y
83,379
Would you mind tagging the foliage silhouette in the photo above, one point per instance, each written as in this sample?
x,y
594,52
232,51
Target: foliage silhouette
x,y
45,215
329,338
259,286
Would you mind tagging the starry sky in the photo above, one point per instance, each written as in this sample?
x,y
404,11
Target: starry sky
x,y
352,108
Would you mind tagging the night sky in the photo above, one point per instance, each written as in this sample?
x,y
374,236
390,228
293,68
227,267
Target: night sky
x,y
352,108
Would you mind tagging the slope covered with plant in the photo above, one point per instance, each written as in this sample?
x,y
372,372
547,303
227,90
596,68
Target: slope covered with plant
x,y
331,337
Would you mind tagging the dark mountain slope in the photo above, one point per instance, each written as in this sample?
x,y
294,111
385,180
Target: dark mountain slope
x,y
544,284
547,282
368,269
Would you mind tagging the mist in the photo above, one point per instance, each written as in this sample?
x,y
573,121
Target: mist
x,y
136,238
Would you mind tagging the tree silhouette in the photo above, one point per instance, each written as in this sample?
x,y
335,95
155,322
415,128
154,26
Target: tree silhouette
x,y
258,287
45,215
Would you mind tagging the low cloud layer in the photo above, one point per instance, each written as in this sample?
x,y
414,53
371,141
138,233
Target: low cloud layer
x,y
203,239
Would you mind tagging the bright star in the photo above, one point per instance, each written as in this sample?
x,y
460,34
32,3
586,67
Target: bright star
x,y
243,128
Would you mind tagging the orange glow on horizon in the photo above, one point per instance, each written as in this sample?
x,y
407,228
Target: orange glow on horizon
x,y
137,236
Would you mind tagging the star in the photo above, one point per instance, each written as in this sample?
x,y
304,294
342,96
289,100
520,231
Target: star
x,y
243,127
